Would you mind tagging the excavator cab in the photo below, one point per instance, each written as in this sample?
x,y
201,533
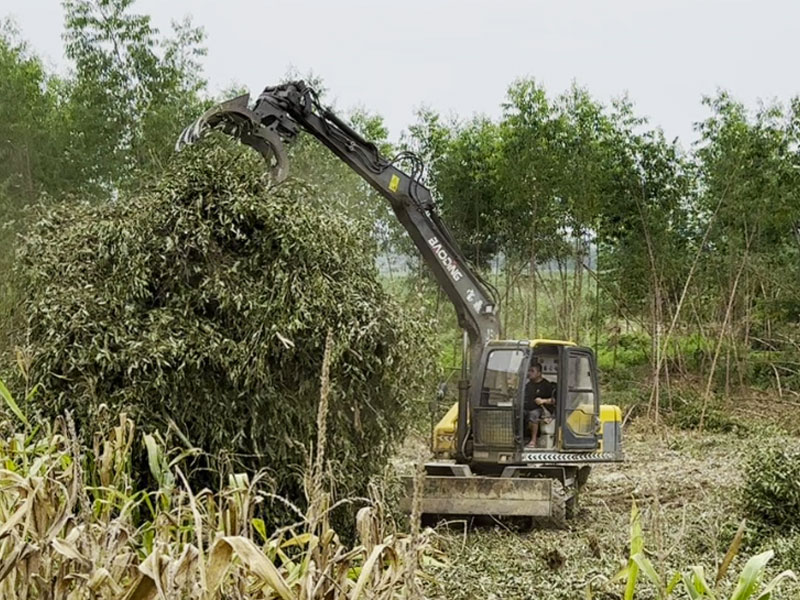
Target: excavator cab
x,y
578,426
503,475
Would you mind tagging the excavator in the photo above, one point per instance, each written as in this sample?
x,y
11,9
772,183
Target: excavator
x,y
485,461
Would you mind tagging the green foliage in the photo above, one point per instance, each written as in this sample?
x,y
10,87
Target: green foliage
x,y
775,368
625,350
130,89
118,113
686,408
749,168
109,123
560,194
589,215
202,304
31,135
462,168
706,240
771,489
695,583
787,549
557,183
12,405
33,139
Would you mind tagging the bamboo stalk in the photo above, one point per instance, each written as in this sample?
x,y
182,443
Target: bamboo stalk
x,y
728,309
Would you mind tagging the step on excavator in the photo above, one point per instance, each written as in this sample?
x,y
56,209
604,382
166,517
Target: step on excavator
x,y
496,454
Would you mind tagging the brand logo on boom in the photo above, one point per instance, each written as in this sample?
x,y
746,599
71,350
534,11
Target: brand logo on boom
x,y
447,262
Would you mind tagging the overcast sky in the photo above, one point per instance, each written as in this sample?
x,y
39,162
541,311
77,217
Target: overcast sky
x,y
460,55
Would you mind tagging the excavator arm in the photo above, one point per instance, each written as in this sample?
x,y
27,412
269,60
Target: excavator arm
x,y
280,113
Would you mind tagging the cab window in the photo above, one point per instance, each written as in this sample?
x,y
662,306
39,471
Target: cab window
x,y
580,402
503,377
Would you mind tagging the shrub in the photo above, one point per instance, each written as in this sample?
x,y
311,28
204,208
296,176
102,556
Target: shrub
x,y
632,349
202,304
771,492
687,408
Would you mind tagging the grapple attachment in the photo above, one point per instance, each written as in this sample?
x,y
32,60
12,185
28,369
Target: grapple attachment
x,y
258,128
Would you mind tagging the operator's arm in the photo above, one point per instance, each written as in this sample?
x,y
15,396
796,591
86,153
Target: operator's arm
x,y
545,394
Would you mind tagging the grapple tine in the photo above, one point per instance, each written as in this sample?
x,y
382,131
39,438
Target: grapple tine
x,y
234,118
213,118
269,145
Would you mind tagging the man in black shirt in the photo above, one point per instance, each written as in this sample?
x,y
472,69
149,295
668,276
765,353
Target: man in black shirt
x,y
539,401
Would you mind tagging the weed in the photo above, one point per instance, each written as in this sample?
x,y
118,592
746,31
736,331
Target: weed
x,y
693,580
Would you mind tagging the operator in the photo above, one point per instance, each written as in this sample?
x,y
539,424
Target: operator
x,y
539,402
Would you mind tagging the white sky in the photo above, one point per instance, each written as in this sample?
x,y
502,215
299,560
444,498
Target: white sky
x,y
460,55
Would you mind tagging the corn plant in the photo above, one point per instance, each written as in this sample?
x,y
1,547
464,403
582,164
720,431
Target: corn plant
x,y
693,580
73,527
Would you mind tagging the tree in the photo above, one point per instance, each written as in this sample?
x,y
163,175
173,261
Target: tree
x,y
749,168
32,136
463,175
131,93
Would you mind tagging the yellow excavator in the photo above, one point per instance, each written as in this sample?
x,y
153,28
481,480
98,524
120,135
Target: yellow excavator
x,y
486,461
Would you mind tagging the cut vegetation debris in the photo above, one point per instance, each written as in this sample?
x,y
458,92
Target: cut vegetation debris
x,y
201,305
688,490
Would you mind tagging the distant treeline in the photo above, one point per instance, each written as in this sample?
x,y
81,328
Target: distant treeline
x,y
682,241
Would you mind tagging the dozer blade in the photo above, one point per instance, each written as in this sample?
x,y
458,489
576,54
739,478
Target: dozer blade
x,y
234,118
543,499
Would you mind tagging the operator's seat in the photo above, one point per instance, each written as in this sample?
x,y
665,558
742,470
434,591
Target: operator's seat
x,y
547,432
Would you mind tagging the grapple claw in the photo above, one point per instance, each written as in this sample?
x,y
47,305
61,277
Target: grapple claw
x,y
234,118
223,116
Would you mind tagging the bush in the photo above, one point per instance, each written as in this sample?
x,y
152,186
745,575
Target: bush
x,y
632,350
202,305
771,492
687,408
